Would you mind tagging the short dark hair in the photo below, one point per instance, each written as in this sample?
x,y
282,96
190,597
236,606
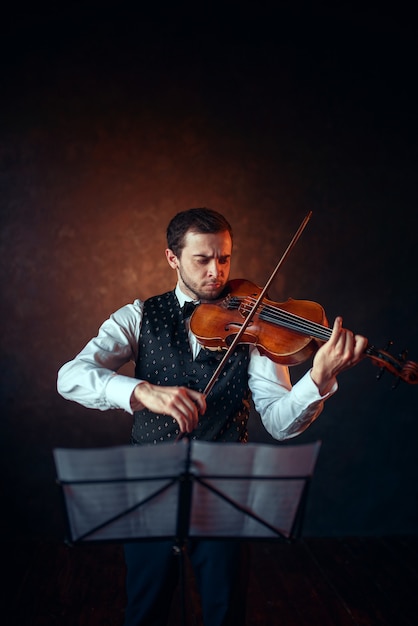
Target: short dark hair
x,y
201,220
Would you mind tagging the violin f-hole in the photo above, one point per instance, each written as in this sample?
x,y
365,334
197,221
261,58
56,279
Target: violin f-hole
x,y
233,329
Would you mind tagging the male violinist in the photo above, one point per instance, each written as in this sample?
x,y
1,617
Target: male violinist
x,y
166,398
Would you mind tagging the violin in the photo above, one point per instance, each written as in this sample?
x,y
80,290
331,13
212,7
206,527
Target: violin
x,y
288,333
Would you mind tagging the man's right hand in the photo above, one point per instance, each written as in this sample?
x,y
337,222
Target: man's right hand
x,y
183,404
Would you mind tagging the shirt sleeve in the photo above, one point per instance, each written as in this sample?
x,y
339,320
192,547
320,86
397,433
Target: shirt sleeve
x,y
286,410
92,378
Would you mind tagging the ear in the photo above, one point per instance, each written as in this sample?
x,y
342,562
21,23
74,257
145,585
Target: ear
x,y
171,259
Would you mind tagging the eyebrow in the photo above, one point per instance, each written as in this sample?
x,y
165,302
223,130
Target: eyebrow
x,y
211,256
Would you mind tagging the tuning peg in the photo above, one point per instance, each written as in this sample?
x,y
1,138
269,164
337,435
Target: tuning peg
x,y
383,369
380,373
403,355
396,383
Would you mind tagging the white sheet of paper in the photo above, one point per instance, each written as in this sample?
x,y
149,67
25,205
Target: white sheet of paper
x,y
264,481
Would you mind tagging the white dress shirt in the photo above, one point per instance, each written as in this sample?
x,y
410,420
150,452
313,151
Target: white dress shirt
x,y
92,378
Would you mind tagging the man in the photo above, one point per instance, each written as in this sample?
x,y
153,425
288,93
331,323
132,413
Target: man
x,y
166,399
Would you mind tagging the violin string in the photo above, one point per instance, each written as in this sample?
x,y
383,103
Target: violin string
x,y
295,322
278,316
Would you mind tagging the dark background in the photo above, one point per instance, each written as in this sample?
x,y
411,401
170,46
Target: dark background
x,y
114,119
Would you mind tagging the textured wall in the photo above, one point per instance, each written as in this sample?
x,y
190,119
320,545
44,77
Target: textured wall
x,y
109,127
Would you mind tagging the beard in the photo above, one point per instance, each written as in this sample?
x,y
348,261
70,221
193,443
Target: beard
x,y
196,290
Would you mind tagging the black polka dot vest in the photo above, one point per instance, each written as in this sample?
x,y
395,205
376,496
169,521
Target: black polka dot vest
x,y
165,358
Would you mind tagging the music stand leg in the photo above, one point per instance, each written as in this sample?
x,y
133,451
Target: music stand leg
x,y
179,550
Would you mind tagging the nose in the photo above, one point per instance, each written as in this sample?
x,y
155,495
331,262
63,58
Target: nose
x,y
215,268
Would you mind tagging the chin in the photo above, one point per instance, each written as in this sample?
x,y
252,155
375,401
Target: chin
x,y
213,294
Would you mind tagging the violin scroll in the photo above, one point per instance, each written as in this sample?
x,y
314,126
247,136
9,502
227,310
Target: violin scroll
x,y
402,368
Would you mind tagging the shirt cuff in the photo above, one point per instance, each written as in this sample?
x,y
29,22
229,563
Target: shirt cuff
x,y
119,390
306,391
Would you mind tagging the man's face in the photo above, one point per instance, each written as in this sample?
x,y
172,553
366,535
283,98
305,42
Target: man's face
x,y
204,264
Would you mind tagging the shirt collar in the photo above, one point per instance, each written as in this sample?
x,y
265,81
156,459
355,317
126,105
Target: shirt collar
x,y
182,298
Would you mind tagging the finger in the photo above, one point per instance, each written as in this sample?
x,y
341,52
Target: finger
x,y
336,330
360,345
186,420
182,423
349,341
191,402
187,407
199,399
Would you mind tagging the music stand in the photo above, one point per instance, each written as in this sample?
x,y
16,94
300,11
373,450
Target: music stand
x,y
188,489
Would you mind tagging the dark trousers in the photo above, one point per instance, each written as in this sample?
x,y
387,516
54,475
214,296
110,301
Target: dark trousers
x,y
220,568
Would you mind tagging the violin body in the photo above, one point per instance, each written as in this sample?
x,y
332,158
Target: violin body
x,y
216,324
